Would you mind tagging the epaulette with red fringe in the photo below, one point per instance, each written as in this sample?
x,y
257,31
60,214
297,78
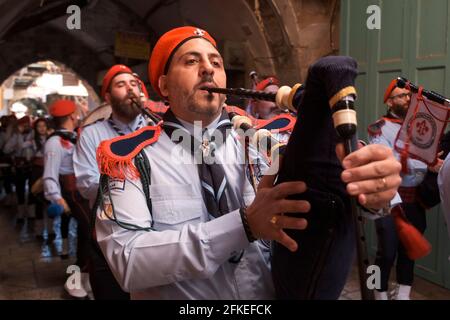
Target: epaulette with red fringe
x,y
280,123
115,156
374,129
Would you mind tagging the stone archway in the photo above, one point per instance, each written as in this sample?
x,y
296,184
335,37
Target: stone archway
x,y
50,45
280,37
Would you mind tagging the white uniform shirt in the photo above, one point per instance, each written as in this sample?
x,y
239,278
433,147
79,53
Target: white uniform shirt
x,y
57,161
187,256
416,169
84,158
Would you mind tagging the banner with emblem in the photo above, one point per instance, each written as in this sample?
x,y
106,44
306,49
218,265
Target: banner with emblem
x,y
422,129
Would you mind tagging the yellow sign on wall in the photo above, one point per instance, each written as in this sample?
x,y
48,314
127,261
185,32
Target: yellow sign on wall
x,y
132,45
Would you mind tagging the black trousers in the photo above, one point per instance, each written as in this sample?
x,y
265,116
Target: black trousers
x,y
65,221
22,177
37,200
8,179
104,285
80,211
389,246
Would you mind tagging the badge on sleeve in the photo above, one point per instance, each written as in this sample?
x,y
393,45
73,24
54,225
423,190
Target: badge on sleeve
x,y
116,184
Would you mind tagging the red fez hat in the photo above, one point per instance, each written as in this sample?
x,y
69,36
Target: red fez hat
x,y
166,47
112,72
267,82
62,108
389,89
24,120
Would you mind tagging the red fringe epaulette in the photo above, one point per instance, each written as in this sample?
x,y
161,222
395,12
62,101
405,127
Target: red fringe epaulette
x,y
115,156
280,123
374,129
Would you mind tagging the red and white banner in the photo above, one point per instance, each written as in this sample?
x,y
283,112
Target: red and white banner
x,y
422,130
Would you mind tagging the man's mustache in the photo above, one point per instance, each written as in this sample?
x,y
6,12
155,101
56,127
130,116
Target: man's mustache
x,y
135,101
122,102
131,95
206,79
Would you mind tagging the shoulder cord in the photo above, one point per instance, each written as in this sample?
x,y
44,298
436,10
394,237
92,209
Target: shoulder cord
x,y
143,166
250,170
98,200
254,178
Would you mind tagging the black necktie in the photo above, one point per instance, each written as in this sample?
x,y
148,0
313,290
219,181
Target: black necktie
x,y
212,175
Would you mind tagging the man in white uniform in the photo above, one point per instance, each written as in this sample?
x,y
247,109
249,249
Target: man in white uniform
x,y
186,230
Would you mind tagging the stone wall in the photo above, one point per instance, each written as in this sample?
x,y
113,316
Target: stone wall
x,y
298,32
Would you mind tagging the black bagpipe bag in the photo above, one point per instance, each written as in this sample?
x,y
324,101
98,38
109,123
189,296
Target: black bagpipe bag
x,y
320,266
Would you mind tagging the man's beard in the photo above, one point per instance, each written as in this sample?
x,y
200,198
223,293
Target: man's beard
x,y
125,110
399,111
194,107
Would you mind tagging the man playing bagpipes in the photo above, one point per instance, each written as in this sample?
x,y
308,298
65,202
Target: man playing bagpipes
x,y
172,227
119,87
385,131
